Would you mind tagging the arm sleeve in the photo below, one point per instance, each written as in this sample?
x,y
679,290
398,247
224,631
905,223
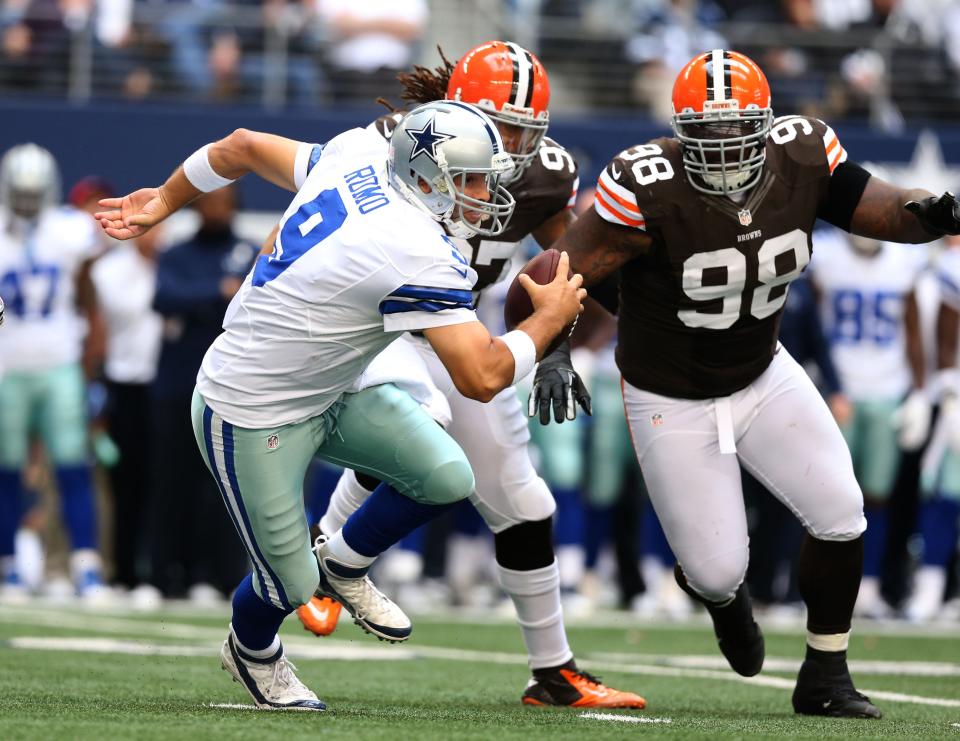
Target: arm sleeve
x,y
307,157
847,182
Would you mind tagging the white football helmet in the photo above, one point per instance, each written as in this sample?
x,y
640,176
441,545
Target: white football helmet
x,y
441,144
29,180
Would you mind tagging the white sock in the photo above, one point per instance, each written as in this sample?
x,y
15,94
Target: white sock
x,y
337,548
29,557
345,500
83,560
263,653
571,560
536,597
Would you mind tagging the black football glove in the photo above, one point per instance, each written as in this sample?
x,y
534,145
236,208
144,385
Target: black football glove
x,y
556,383
937,215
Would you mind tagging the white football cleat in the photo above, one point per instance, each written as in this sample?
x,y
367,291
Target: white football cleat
x,y
272,684
371,609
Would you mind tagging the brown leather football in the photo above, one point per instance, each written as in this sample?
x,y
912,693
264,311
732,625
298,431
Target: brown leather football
x,y
517,307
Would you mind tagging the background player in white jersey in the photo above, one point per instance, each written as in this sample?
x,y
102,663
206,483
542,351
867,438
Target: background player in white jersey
x,y
708,229
510,84
45,251
869,310
361,256
939,517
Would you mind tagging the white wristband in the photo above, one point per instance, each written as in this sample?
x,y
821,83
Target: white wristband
x,y
524,352
201,174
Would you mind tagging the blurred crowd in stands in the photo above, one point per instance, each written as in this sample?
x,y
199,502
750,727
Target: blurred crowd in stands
x,y
884,60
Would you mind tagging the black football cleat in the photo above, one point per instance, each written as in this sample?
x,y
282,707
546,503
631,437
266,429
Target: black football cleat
x,y
738,635
828,691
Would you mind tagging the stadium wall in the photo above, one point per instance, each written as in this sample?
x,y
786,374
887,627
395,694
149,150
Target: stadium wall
x,y
133,146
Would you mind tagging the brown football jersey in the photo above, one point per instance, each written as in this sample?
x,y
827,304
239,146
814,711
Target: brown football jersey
x,y
546,187
700,310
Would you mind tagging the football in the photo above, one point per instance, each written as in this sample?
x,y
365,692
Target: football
x,y
517,307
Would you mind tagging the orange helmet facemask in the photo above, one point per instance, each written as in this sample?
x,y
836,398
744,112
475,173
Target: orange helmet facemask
x,y
722,116
509,84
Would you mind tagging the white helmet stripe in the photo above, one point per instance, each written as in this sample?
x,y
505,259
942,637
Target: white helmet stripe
x,y
524,67
719,89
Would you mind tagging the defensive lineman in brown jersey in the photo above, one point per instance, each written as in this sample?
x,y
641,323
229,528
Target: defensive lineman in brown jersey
x,y
708,230
509,84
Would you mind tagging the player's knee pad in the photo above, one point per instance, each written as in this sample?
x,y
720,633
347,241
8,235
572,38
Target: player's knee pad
x,y
448,483
845,521
717,579
525,546
512,502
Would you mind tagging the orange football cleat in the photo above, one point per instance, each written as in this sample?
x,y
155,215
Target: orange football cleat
x,y
320,615
577,689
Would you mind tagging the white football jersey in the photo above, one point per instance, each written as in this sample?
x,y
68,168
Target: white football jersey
x,y
862,303
354,265
125,283
38,274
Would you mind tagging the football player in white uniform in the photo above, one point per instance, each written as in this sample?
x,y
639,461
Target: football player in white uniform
x,y
361,256
45,252
869,310
708,228
511,85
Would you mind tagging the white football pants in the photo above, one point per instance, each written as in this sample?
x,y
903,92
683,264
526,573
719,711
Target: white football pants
x,y
780,430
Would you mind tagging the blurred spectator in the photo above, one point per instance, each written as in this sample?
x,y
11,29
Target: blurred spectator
x,y
370,42
670,33
189,530
125,279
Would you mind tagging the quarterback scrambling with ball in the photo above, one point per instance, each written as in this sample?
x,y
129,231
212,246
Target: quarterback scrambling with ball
x,y
708,229
511,86
362,255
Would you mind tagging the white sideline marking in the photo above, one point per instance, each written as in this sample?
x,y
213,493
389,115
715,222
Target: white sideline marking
x,y
325,651
311,648
230,706
623,718
775,664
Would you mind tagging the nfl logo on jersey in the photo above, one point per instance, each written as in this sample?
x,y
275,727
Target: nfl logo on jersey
x,y
273,442
746,218
656,420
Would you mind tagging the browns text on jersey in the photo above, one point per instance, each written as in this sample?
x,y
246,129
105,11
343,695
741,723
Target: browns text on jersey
x,y
715,263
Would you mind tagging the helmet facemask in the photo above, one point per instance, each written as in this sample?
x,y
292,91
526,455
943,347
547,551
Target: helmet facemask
x,y
723,150
532,130
495,213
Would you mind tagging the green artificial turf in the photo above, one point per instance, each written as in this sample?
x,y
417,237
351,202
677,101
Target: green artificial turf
x,y
454,679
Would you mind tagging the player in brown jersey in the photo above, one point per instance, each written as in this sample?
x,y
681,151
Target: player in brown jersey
x,y
708,229
511,86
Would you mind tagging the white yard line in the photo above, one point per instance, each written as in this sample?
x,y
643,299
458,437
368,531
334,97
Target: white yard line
x,y
230,706
623,718
775,664
347,650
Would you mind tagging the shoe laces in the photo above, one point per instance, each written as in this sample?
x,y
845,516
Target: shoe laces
x,y
284,677
589,678
373,595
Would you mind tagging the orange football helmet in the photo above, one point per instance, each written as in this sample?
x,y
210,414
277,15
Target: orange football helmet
x,y
509,84
722,116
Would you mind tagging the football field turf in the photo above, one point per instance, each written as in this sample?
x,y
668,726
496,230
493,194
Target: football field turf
x,y
72,674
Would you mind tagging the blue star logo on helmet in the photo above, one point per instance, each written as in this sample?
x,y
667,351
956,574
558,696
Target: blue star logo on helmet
x,y
426,140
